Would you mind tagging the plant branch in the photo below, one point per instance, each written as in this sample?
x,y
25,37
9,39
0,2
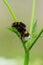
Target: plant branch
x,y
14,30
18,34
32,17
36,39
14,18
10,10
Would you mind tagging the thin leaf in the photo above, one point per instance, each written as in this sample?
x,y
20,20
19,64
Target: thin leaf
x,y
34,27
34,36
10,10
15,31
18,34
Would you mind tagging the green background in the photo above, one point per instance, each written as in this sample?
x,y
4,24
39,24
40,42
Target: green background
x,y
10,44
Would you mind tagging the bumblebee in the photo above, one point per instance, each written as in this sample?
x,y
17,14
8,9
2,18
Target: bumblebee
x,y
21,28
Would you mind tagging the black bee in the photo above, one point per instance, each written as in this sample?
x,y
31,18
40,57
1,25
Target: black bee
x,y
21,28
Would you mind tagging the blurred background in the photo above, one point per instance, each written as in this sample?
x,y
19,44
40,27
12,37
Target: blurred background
x,y
10,45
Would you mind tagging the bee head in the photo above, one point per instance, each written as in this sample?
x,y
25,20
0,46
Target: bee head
x,y
14,24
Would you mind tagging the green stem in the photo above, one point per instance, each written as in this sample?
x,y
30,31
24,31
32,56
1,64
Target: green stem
x,y
24,46
26,59
32,17
10,10
36,39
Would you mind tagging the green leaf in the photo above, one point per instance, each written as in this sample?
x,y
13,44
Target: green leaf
x,y
34,27
36,36
17,33
10,10
14,30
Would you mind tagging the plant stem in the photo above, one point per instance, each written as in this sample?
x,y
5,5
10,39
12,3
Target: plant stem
x,y
26,59
32,17
25,49
36,39
10,10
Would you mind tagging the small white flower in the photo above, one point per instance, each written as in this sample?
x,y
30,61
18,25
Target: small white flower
x,y
4,61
